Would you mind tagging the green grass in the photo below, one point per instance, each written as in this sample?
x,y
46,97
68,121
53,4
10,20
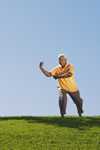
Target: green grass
x,y
50,133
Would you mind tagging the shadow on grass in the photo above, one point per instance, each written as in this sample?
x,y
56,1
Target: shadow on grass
x,y
83,123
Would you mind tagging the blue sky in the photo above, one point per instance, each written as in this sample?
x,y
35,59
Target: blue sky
x,y
35,30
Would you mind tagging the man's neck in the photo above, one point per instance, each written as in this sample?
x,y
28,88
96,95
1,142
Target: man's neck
x,y
64,66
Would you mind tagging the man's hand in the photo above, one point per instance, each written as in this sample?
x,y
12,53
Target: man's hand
x,y
66,70
41,65
65,75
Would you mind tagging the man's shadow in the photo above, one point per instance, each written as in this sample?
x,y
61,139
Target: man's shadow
x,y
70,122
83,123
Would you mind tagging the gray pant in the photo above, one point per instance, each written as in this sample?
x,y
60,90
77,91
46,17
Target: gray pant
x,y
76,99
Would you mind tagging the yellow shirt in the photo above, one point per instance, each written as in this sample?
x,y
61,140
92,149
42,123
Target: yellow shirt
x,y
68,84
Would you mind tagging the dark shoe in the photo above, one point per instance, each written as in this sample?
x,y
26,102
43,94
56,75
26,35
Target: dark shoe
x,y
80,112
62,115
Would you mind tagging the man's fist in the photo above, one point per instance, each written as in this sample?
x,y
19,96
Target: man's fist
x,y
41,64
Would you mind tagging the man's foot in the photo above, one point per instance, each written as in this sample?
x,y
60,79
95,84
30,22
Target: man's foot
x,y
62,115
80,113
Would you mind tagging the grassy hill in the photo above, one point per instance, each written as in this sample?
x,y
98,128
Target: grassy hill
x,y
50,133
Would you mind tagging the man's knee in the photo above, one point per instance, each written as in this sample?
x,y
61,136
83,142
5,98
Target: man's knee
x,y
62,93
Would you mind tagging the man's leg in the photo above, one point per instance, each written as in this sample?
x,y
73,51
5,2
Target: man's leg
x,y
78,101
62,102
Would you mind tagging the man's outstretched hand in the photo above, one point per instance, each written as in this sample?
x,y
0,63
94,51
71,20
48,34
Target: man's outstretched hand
x,y
41,64
44,71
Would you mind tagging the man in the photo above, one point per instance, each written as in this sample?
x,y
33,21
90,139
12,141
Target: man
x,y
64,73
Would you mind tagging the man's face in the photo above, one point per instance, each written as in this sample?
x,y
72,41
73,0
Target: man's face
x,y
62,61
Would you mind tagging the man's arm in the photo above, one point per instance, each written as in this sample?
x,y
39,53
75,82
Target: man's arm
x,y
44,71
65,75
67,69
